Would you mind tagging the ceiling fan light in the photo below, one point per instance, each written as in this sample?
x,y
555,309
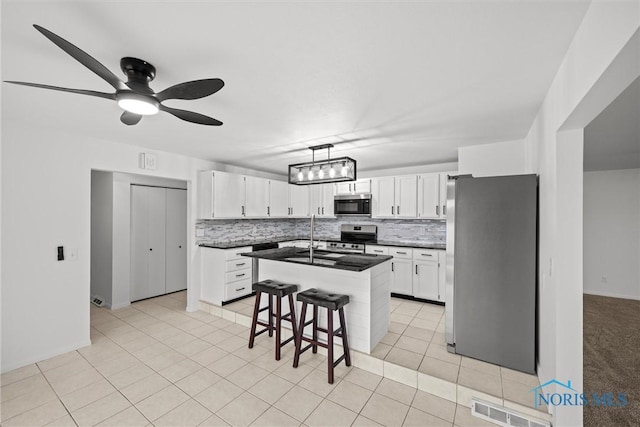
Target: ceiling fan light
x,y
138,104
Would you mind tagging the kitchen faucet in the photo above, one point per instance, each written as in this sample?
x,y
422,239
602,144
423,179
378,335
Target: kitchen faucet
x,y
313,223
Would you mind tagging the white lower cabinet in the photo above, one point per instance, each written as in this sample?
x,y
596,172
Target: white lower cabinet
x,y
376,250
415,272
427,275
226,274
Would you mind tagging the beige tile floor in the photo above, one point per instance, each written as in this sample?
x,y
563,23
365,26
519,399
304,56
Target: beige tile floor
x,y
154,364
416,341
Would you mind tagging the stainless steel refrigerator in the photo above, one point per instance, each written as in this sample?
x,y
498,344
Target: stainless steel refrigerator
x,y
490,293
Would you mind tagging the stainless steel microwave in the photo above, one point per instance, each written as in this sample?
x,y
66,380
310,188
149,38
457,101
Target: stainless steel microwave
x,y
352,204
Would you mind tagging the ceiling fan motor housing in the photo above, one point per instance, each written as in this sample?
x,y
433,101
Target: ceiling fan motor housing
x,y
139,73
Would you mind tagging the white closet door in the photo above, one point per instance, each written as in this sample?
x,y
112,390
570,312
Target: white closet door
x,y
148,210
176,262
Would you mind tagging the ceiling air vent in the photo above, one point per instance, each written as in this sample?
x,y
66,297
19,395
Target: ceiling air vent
x,y
504,416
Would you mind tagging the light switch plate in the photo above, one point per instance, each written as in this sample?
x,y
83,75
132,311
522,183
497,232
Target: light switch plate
x,y
148,161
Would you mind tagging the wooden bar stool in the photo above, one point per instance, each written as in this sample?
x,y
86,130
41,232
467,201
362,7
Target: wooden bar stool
x,y
332,302
278,290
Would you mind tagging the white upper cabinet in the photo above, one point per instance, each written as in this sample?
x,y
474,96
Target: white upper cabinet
x,y
354,187
406,196
444,177
432,195
321,200
298,201
278,199
395,197
222,195
257,197
229,195
384,202
429,195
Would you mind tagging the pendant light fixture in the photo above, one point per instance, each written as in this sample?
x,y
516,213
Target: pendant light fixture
x,y
323,171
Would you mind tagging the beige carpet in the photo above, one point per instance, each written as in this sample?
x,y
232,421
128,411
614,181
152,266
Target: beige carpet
x,y
612,358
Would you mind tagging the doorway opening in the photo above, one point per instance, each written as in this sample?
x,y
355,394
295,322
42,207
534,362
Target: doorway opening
x,y
139,227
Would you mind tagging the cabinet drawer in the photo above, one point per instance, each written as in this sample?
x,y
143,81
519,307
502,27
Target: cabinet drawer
x,y
238,264
376,250
237,289
402,253
235,253
425,255
234,276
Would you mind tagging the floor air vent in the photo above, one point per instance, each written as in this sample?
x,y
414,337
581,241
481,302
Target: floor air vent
x,y
503,416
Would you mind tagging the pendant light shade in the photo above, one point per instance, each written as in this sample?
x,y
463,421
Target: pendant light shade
x,y
325,171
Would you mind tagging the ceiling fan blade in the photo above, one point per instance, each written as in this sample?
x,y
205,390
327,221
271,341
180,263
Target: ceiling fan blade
x,y
129,118
84,58
65,89
190,116
191,90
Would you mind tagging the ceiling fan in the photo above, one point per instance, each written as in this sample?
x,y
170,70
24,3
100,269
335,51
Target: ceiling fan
x,y
135,96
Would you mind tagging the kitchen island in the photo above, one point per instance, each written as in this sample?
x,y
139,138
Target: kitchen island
x,y
365,278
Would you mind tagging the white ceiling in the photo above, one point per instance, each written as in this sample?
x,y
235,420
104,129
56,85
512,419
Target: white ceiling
x,y
392,84
612,139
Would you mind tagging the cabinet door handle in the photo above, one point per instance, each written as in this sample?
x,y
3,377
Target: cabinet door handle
x,y
150,249
239,289
376,250
323,210
239,275
268,210
240,264
401,253
444,210
437,210
416,269
179,246
242,210
398,210
391,266
318,210
427,255
392,207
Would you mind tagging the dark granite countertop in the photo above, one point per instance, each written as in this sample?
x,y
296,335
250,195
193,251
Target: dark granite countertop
x,y
327,259
241,243
420,245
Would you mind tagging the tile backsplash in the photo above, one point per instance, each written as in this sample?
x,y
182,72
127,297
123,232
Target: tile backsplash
x,y
406,231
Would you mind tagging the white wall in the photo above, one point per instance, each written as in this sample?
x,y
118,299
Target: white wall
x,y
603,34
499,158
46,202
101,235
409,170
612,233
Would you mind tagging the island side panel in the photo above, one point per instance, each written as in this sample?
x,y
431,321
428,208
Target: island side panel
x,y
359,287
380,301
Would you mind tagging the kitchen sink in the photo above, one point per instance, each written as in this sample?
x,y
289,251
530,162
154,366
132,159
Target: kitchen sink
x,y
315,260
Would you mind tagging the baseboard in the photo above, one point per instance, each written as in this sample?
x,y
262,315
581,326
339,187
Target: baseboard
x,y
43,356
612,295
119,305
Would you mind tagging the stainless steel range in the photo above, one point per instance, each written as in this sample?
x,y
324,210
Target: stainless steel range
x,y
353,238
